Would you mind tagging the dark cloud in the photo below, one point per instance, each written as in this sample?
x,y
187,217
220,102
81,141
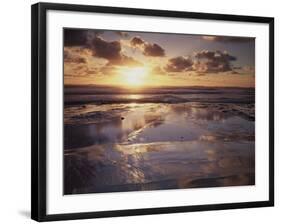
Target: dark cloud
x,y
107,50
148,49
75,37
82,38
213,61
153,50
203,62
179,64
137,41
205,54
84,46
112,51
228,39
214,55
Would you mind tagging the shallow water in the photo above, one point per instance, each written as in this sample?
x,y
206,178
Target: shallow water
x,y
150,146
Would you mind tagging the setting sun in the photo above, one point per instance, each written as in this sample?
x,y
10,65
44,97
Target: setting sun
x,y
135,76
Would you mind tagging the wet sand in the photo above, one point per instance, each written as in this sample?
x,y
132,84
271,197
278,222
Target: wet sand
x,y
118,147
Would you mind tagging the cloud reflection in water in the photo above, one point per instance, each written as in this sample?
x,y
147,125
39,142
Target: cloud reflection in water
x,y
124,147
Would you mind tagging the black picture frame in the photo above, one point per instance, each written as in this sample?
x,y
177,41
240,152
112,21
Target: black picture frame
x,y
39,122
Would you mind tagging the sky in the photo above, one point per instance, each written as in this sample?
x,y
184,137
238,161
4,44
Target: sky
x,y
142,59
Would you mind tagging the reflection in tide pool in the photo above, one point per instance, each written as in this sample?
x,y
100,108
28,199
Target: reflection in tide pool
x,y
149,146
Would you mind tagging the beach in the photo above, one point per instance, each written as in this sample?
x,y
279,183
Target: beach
x,y
158,139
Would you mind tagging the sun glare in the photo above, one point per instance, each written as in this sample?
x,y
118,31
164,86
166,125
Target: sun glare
x,y
135,76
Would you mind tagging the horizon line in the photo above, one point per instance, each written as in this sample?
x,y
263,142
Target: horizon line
x,y
152,86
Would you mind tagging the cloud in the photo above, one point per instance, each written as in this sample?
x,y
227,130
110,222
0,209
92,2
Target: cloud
x,y
72,58
213,61
137,41
79,37
75,37
244,70
79,62
214,55
112,51
82,38
179,64
153,50
98,57
248,68
202,62
107,50
86,52
227,39
147,49
126,61
79,70
157,70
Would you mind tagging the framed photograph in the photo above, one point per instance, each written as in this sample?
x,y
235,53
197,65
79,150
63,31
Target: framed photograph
x,y
139,111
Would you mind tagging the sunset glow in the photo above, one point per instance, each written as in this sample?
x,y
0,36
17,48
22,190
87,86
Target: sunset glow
x,y
136,59
135,76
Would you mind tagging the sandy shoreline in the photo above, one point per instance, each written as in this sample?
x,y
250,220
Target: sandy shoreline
x,y
111,168
129,147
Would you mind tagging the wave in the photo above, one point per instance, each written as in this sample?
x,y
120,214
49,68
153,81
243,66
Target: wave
x,y
158,98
